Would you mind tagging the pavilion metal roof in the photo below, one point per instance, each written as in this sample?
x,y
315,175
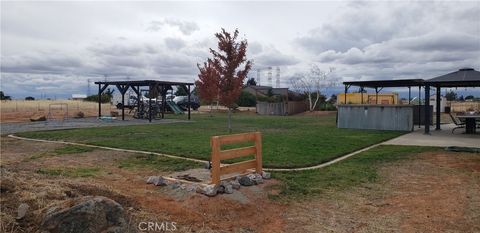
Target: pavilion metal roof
x,y
466,77
387,83
142,83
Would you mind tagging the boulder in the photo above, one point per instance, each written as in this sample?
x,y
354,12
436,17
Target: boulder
x,y
266,175
226,187
38,118
257,178
156,180
22,210
84,215
79,114
235,184
245,181
210,190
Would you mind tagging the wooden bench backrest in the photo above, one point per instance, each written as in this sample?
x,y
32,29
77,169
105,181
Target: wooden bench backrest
x,y
218,155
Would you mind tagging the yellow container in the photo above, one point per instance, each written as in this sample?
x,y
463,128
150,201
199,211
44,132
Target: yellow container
x,y
368,98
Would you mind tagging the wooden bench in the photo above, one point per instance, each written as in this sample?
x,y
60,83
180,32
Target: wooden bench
x,y
218,155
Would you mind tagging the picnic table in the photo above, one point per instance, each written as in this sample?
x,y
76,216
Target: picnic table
x,y
470,122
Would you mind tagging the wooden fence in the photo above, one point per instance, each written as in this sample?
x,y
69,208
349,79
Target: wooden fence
x,y
282,108
218,154
464,106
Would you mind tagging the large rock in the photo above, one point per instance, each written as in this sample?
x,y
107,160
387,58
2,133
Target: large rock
x,y
266,175
235,184
79,114
210,190
245,181
22,210
38,118
156,180
257,178
84,215
226,187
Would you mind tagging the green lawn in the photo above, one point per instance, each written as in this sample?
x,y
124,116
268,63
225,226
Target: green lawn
x,y
293,141
359,169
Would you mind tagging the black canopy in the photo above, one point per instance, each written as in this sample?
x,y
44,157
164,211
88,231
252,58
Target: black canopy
x,y
466,77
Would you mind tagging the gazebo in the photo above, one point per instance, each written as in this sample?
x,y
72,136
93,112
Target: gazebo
x,y
465,77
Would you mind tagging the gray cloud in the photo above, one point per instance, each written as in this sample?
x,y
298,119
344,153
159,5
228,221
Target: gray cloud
x,y
362,40
186,27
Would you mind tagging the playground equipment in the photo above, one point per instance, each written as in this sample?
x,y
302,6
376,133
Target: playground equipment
x,y
174,107
218,170
63,107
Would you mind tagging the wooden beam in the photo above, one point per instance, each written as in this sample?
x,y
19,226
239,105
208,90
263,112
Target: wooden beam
x,y
238,167
236,138
236,153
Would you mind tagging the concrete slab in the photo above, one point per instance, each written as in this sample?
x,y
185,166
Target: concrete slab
x,y
440,138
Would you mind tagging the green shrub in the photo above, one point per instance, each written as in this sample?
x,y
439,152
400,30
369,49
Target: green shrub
x,y
246,99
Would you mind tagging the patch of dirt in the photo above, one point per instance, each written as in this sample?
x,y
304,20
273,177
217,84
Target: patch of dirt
x,y
435,192
143,202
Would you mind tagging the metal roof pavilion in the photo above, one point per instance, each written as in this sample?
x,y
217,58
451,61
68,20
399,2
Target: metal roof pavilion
x,y
155,86
465,77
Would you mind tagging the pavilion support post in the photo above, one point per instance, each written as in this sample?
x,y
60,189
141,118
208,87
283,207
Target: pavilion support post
x,y
345,95
150,104
361,94
139,99
437,107
376,95
409,95
427,109
123,106
99,100
189,103
164,101
419,106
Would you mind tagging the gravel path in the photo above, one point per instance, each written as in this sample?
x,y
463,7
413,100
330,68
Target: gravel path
x,y
11,128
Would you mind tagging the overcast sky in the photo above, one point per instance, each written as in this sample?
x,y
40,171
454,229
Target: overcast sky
x,y
52,48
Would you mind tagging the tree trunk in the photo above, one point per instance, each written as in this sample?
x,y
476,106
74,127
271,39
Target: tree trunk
x,y
310,102
316,101
229,120
211,108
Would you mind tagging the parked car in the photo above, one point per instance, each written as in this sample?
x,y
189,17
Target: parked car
x,y
182,101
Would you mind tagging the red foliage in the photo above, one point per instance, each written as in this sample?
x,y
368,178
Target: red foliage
x,y
207,82
226,63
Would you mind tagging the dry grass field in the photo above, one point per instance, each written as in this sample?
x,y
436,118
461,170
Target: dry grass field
x,y
21,110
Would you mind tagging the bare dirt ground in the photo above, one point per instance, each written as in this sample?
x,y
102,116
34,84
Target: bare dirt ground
x,y
435,192
248,211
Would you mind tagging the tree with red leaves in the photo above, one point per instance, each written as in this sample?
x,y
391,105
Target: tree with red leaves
x,y
226,62
207,83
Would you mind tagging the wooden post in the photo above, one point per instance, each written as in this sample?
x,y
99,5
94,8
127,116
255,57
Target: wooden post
x,y
215,160
427,109
258,154
437,106
99,100
189,103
